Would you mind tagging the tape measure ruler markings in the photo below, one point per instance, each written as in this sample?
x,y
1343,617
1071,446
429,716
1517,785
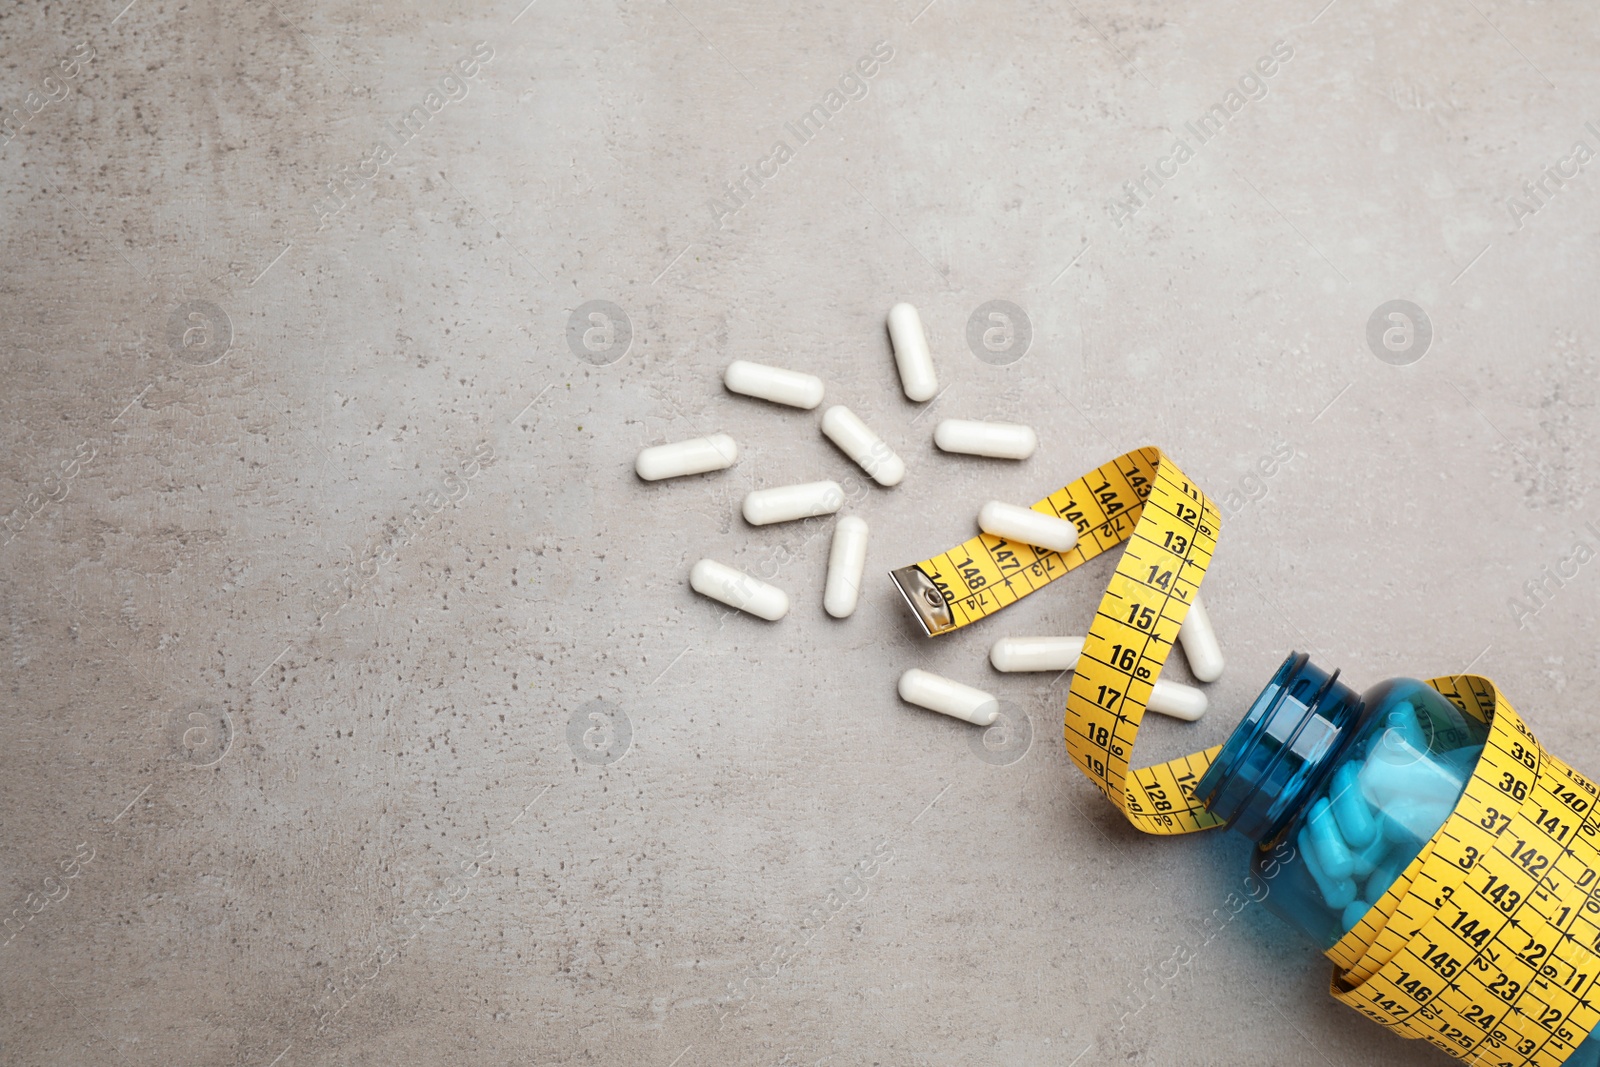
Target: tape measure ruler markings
x,y
1477,954
1131,636
1170,526
980,576
1465,949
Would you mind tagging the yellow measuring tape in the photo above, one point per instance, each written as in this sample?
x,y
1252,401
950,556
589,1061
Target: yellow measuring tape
x,y
1485,946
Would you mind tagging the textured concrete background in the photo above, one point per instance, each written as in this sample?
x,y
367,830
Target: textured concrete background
x,y
357,708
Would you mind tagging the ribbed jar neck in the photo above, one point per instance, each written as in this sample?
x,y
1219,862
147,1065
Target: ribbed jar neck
x,y
1275,759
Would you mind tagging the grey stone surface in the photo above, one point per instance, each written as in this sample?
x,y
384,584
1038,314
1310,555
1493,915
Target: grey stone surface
x,y
356,681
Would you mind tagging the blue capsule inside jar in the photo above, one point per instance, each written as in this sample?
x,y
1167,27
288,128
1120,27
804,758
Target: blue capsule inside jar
x,y
1355,784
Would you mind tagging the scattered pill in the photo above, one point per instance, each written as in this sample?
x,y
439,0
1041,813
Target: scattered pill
x,y
928,690
788,502
1012,523
694,456
997,440
773,383
911,353
1012,654
738,590
1177,700
1199,642
845,429
1035,653
847,561
1333,855
1350,808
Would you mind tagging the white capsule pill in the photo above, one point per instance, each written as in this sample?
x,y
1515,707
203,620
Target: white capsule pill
x,y
738,590
1199,642
773,383
997,440
1027,526
1177,700
847,561
845,429
928,690
911,353
1035,653
788,502
1013,654
695,456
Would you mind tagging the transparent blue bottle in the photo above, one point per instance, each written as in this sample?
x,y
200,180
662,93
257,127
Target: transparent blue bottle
x,y
1355,783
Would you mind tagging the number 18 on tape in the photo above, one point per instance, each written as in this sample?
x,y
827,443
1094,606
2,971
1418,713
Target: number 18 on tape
x,y
1416,831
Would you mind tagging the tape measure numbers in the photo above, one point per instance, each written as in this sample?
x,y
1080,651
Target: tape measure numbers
x,y
1171,529
1486,945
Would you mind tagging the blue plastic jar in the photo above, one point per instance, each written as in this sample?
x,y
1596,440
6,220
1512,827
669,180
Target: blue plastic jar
x,y
1356,784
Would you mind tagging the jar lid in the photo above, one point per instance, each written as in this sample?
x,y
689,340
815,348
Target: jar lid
x,y
1273,759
